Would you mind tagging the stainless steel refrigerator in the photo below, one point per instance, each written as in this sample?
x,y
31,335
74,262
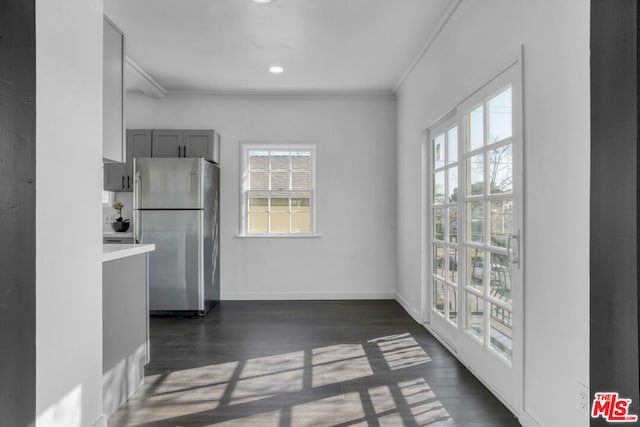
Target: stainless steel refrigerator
x,y
176,206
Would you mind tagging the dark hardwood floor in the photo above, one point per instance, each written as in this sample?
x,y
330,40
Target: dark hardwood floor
x,y
305,363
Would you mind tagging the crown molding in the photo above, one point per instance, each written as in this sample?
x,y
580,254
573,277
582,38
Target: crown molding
x,y
432,38
287,94
139,80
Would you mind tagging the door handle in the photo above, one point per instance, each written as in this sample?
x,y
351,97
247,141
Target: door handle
x,y
122,181
179,148
184,151
513,251
137,217
137,227
128,181
137,191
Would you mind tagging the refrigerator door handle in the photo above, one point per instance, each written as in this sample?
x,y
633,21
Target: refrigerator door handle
x,y
137,227
184,151
137,202
179,148
137,191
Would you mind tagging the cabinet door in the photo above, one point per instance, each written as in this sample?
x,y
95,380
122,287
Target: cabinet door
x,y
215,156
113,93
114,178
166,143
198,143
138,145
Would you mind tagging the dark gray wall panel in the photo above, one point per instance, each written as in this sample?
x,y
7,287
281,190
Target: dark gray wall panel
x,y
614,209
17,213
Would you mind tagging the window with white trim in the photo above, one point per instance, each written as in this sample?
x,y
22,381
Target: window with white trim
x,y
278,189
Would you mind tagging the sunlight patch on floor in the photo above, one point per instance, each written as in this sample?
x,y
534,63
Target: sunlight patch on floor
x,y
203,375
339,363
424,405
330,411
269,376
274,389
272,385
264,366
165,400
382,399
401,351
264,419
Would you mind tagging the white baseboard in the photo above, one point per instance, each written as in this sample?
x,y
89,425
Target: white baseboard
x,y
324,295
413,312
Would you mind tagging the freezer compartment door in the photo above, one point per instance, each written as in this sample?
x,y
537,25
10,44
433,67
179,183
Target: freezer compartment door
x,y
168,183
176,266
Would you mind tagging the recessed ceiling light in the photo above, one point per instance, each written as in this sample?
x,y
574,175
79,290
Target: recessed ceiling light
x,y
262,1
276,69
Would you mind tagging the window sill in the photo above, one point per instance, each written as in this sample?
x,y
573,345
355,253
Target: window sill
x,y
278,236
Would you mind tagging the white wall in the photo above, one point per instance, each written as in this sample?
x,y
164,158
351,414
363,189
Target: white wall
x,y
356,183
68,229
476,42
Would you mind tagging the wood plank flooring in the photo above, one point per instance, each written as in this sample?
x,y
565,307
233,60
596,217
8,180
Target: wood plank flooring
x,y
305,363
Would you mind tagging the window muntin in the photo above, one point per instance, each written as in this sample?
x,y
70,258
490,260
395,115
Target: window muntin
x,y
444,235
278,189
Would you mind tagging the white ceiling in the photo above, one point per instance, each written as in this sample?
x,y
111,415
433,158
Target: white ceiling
x,y
323,45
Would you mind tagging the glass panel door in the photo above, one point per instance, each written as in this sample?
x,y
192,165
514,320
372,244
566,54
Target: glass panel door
x,y
474,277
490,337
488,203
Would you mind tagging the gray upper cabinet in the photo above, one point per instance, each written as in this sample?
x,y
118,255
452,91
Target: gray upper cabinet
x,y
113,93
119,176
167,143
199,143
115,177
159,143
138,145
186,143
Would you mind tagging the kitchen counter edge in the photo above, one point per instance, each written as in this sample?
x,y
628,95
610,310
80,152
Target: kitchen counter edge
x,y
112,252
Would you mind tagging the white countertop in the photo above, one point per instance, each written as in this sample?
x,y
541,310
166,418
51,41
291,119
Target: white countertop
x,y
111,252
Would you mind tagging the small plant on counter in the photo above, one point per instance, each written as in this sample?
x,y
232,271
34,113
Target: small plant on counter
x,y
118,206
119,225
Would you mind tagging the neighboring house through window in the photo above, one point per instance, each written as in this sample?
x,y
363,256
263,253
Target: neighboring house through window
x,y
278,189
